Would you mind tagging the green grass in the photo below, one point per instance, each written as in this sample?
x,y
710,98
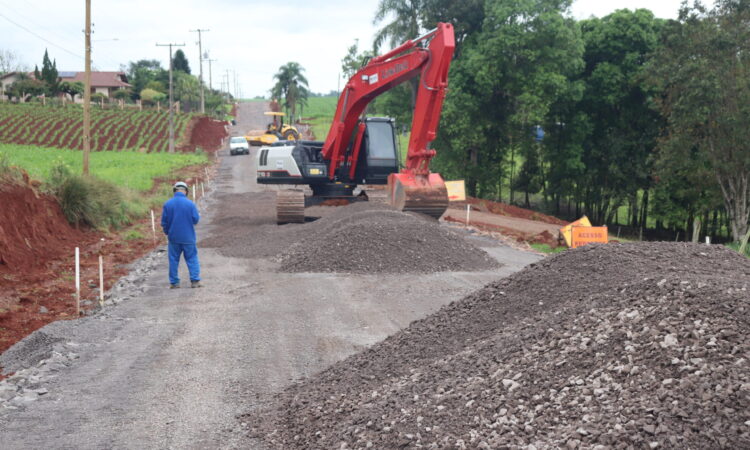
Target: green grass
x,y
131,170
544,248
736,247
319,112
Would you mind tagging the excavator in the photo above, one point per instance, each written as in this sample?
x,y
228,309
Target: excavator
x,y
362,150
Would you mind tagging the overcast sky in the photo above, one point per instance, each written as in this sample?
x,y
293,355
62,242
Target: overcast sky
x,y
249,38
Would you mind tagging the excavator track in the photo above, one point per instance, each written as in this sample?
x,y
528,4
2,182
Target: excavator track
x,y
290,206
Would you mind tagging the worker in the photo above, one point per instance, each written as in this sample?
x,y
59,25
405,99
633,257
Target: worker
x,y
178,219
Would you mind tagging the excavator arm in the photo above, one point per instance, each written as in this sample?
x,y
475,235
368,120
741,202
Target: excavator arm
x,y
382,73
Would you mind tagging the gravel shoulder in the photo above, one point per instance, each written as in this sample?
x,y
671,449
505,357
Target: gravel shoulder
x,y
160,368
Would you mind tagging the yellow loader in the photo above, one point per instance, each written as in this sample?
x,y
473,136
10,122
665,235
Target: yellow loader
x,y
275,131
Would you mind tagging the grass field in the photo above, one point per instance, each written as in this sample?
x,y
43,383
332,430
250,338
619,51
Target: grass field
x,y
319,113
111,129
132,170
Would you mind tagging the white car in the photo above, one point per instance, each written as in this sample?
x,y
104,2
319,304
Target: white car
x,y
238,145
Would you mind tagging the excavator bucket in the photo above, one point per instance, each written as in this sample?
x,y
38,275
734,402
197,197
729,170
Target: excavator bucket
x,y
424,194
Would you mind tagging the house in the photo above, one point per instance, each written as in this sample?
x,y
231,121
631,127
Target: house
x,y
6,80
101,82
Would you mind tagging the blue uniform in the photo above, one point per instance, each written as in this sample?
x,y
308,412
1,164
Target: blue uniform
x,y
178,219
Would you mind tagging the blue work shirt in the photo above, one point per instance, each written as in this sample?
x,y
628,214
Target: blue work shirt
x,y
178,219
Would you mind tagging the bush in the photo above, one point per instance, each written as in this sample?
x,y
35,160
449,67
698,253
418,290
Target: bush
x,y
87,200
151,96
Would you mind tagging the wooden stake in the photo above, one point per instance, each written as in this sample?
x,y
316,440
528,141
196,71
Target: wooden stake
x,y
153,224
203,191
101,281
468,212
194,193
78,282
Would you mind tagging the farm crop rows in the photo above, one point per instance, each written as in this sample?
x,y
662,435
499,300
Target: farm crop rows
x,y
110,129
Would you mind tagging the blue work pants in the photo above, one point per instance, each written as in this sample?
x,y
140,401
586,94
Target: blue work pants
x,y
191,258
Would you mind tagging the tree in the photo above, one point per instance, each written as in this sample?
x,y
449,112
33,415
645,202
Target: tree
x,y
72,88
505,83
466,17
142,72
703,71
122,94
186,89
49,74
403,26
180,62
354,60
291,86
9,62
623,125
151,96
28,87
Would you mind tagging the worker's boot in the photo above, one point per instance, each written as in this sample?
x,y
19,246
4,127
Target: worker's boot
x,y
174,286
195,284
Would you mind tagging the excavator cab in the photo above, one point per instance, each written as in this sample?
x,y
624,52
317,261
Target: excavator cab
x,y
381,152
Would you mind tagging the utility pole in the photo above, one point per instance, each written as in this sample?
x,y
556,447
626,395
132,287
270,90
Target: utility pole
x,y
210,81
228,85
200,77
234,74
87,92
171,96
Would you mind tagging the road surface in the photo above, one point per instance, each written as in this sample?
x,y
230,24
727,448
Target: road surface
x,y
174,368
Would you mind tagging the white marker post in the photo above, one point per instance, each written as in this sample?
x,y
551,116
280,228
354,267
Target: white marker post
x,y
78,282
193,193
153,224
468,212
101,280
708,240
203,191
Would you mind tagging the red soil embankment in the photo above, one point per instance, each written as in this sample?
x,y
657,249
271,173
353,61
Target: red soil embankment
x,y
32,229
208,134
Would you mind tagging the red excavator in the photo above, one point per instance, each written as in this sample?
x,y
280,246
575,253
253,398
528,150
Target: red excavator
x,y
362,150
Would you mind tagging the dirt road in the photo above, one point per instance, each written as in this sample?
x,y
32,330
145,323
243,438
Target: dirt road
x,y
174,368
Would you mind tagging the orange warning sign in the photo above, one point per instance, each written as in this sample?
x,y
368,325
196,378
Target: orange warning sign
x,y
587,235
456,190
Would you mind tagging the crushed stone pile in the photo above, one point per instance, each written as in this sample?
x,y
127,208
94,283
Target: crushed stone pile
x,y
368,237
641,345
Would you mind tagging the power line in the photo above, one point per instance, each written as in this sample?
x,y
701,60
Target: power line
x,y
67,36
40,37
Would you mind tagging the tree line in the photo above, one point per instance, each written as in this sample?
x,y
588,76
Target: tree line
x,y
626,118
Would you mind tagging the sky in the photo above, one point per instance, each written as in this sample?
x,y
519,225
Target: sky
x,y
248,39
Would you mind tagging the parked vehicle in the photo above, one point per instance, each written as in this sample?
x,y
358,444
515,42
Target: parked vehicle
x,y
238,145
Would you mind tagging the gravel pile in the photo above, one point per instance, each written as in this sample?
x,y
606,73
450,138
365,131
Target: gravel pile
x,y
625,346
367,237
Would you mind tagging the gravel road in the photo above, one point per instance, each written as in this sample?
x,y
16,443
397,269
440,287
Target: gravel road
x,y
160,368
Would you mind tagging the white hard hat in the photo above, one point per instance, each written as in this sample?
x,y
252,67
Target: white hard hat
x,y
180,184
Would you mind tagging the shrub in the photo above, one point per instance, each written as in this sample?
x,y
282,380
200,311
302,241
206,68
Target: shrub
x,y
151,96
90,201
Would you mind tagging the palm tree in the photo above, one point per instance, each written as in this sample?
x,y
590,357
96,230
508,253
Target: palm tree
x,y
404,26
291,85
